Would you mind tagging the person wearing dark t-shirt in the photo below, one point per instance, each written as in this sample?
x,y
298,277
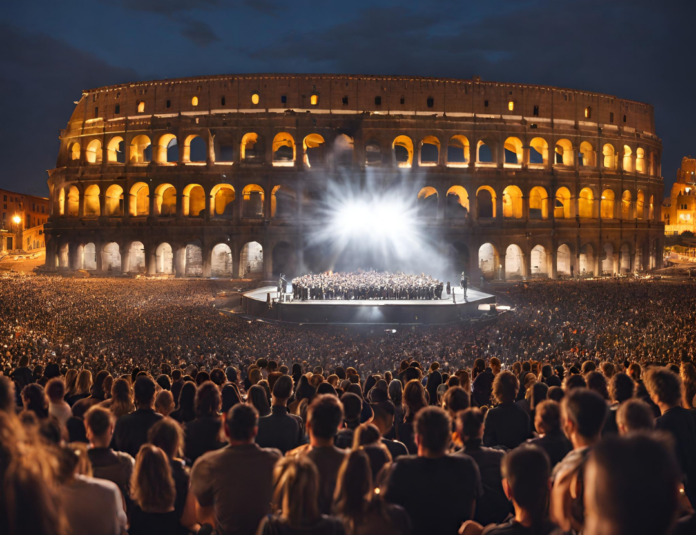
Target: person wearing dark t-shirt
x,y
482,387
493,506
547,420
665,389
131,430
352,407
437,490
202,433
280,429
506,424
384,421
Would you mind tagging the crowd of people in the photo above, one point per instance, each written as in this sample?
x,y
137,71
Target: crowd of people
x,y
135,406
363,285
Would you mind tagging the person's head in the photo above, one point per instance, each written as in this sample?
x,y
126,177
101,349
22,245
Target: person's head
x,y
207,399
634,415
167,435
556,393
383,416
99,425
187,397
352,407
505,387
597,383
55,390
34,399
495,365
470,424
230,397
526,471
282,390
396,392
664,387
152,485
164,403
218,377
84,382
539,392
414,398
353,486
324,417
621,387
144,392
259,399
455,399
164,382
546,371
608,369
296,491
241,424
631,486
547,417
588,366
584,413
635,371
7,395
574,381
433,427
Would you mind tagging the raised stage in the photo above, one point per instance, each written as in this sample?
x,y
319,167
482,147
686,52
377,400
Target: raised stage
x,y
366,312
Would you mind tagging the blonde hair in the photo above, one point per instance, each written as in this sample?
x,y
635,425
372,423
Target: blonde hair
x,y
297,490
84,382
70,382
152,485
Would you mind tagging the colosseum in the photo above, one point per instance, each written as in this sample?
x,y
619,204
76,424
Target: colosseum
x,y
217,176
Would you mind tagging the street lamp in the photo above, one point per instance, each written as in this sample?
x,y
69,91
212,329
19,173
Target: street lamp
x,y
17,220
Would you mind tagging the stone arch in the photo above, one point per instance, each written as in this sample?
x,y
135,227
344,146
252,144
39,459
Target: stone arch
x,y
164,259
638,259
627,159
92,205
284,259
165,200
253,197
514,263
640,160
139,204
114,201
222,198
626,205
512,203
193,259
71,197
651,209
402,148
538,203
489,261
75,152
427,202
223,146
251,260
486,202
640,205
63,256
608,259
167,149
562,204
89,257
116,150
625,258
136,258
221,261
538,151
587,154
586,260
373,153
111,257
513,151
283,201
195,150
606,206
564,152
484,153
586,203
313,146
252,149
563,260
458,151
193,201
343,150
539,261
94,152
284,150
140,149
457,205
609,154
429,151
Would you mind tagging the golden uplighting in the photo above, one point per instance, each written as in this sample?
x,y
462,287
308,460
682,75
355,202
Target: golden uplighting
x,y
314,100
17,219
511,105
194,101
255,98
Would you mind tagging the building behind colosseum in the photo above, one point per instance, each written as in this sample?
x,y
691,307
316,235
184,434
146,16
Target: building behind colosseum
x,y
219,175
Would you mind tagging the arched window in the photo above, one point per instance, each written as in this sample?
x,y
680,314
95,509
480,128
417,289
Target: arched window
x,y
403,151
116,151
114,201
167,150
627,159
430,151
458,151
538,203
283,201
588,112
626,205
195,150
513,262
539,262
283,150
651,213
587,155
607,205
139,202
94,152
251,260
586,203
222,197
253,201
252,149
92,204
457,206
141,106
140,150
562,206
489,260
640,204
484,154
193,201
313,146
194,101
72,201
343,150
512,203
513,151
640,160
373,153
609,154
486,202
221,261
564,152
255,98
538,151
427,202
75,152
165,200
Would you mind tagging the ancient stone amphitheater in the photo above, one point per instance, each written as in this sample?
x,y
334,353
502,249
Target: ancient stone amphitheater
x,y
220,175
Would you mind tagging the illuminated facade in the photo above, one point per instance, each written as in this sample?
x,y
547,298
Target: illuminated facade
x,y
22,216
218,176
679,211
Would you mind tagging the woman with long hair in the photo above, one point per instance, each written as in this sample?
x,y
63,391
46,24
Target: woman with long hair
x,y
413,401
295,499
396,395
83,386
258,398
357,502
230,397
367,438
70,383
203,432
153,494
34,399
688,376
121,401
187,398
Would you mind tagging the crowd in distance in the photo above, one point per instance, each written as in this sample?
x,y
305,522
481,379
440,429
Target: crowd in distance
x,y
134,405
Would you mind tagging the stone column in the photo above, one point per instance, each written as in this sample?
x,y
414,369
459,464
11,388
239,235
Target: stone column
x,y
500,267
526,156
617,265
553,272
499,206
525,208
125,259
525,270
207,260
151,260
151,201
180,261
267,261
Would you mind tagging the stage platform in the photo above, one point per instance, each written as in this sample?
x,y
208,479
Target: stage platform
x,y
368,312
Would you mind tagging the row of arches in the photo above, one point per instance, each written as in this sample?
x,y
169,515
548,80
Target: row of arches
x,y
459,152
192,201
537,203
188,259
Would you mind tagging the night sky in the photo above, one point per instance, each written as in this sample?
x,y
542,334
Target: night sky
x,y
635,49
